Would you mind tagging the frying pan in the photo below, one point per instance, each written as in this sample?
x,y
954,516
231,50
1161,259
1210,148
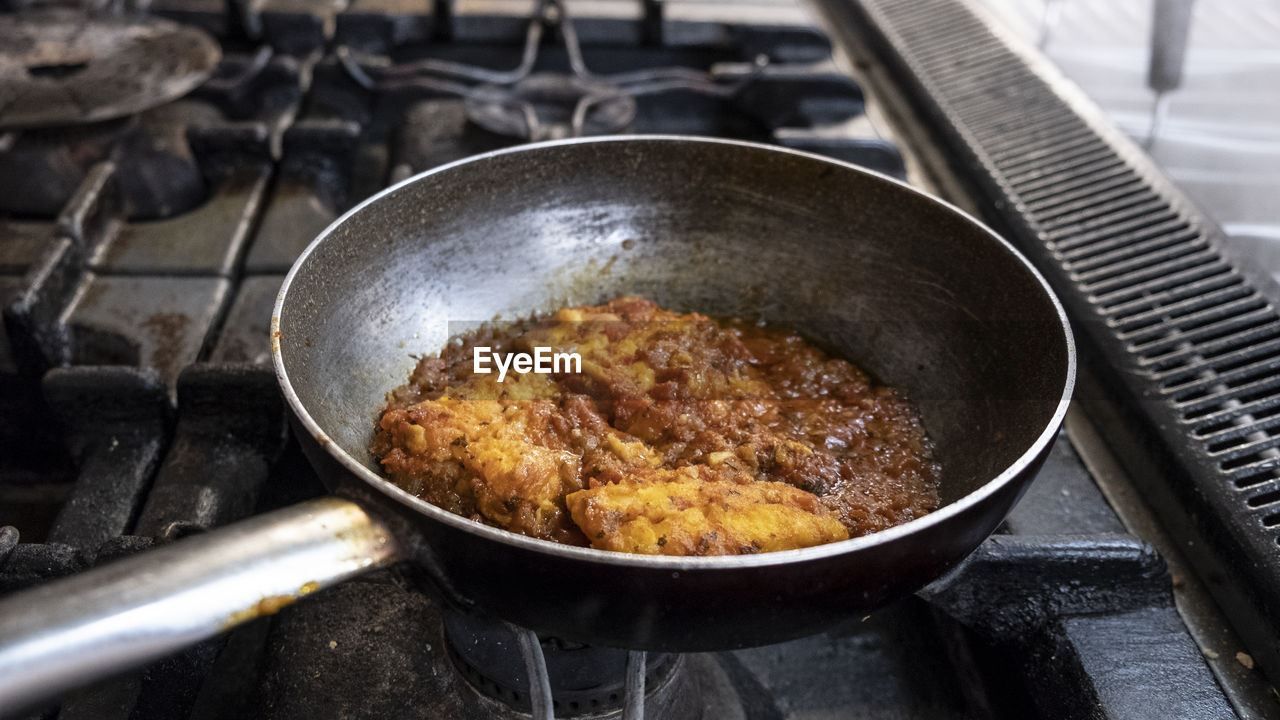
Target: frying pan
x,y
910,288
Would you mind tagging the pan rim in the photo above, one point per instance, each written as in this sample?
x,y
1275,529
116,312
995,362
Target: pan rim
x,y
664,562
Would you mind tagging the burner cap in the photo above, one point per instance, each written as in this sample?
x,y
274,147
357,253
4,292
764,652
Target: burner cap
x,y
541,107
61,68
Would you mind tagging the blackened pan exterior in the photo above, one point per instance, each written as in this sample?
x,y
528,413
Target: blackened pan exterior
x,y
912,289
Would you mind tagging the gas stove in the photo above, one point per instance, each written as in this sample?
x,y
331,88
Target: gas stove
x,y
145,230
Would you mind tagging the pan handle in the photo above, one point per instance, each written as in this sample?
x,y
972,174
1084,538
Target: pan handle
x,y
98,623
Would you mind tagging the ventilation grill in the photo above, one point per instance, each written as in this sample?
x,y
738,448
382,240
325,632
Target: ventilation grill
x,y
1193,341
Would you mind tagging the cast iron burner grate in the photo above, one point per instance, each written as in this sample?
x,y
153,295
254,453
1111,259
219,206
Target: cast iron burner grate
x,y
533,106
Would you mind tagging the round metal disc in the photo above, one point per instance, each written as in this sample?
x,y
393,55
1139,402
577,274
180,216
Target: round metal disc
x,y
62,68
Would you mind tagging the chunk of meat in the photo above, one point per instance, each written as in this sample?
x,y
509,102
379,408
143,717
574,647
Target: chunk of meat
x,y
683,514
486,451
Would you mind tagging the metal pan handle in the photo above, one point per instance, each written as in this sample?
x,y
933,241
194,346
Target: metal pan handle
x,y
98,623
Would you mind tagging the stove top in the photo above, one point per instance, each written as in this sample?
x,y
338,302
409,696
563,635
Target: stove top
x,y
139,263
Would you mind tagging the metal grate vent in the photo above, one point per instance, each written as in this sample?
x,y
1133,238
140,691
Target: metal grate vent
x,y
1191,339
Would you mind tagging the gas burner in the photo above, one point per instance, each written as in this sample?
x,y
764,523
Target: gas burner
x,y
61,68
540,106
583,680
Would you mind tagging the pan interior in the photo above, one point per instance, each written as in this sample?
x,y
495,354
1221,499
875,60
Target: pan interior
x,y
911,290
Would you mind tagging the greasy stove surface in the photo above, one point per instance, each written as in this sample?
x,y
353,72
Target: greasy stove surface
x,y
139,259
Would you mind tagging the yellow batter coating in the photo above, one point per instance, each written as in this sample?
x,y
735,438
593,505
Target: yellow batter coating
x,y
686,515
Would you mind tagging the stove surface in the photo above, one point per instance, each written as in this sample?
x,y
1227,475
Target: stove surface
x,y
139,261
